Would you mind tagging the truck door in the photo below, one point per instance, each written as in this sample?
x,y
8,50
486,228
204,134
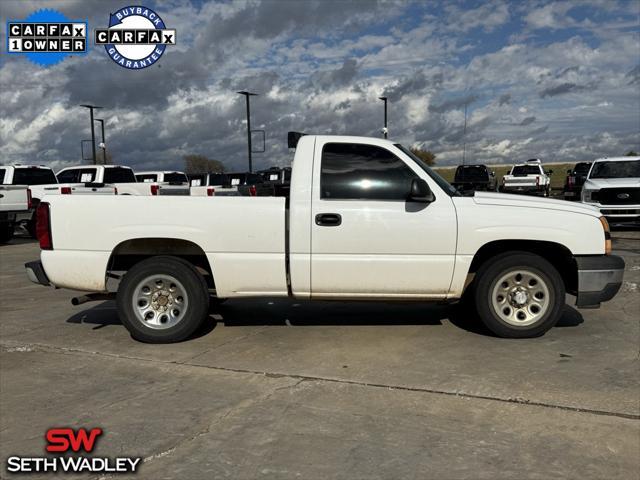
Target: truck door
x,y
367,240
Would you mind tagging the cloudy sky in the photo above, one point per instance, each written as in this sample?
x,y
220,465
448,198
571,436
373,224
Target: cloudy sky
x,y
555,80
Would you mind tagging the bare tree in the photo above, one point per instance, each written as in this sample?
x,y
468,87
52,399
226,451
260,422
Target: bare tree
x,y
201,164
426,156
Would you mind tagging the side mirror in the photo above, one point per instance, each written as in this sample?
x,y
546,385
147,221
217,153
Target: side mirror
x,y
493,174
569,172
420,191
549,172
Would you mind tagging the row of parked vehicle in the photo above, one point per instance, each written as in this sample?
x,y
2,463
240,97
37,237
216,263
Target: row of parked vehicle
x,y
525,178
23,186
610,184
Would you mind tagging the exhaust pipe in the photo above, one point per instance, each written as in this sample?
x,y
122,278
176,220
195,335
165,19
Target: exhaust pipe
x,y
92,297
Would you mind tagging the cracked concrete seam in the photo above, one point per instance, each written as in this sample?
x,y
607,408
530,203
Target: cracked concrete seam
x,y
243,405
6,345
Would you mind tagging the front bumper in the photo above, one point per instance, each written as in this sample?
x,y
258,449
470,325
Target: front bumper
x,y
599,279
36,273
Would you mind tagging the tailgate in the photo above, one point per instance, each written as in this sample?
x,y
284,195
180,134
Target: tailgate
x,y
13,198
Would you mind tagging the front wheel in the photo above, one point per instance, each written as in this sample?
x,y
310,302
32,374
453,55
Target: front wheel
x,y
519,295
162,300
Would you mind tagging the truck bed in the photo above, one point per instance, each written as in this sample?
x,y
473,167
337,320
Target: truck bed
x,y
244,237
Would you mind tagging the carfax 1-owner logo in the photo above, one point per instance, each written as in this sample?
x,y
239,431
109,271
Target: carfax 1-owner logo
x,y
136,38
46,37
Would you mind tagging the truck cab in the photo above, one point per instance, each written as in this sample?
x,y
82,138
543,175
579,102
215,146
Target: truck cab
x,y
528,178
471,178
42,181
121,177
170,182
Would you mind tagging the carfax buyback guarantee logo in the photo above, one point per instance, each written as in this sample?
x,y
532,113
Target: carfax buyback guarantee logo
x,y
46,37
136,38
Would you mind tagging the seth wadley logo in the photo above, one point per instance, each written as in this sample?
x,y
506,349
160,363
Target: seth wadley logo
x,y
68,441
136,38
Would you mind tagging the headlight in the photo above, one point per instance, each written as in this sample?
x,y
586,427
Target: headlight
x,y
589,196
607,236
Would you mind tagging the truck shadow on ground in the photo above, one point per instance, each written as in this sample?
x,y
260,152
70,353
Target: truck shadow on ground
x,y
281,312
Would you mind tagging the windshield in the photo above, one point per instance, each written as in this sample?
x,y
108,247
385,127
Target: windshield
x,y
34,176
619,169
442,183
476,172
525,170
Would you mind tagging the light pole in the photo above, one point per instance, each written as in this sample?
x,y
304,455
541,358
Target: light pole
x,y
384,130
103,145
93,133
464,134
247,95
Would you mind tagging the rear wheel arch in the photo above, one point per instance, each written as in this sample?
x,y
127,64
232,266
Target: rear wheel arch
x,y
133,251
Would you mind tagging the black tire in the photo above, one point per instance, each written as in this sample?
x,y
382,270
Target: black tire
x,y
31,227
510,262
6,232
195,290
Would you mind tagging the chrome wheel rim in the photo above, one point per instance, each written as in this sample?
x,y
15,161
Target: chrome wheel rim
x,y
520,297
160,301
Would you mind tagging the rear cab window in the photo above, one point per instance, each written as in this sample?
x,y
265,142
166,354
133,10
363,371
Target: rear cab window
x,y
3,172
119,175
523,170
33,176
77,175
176,177
148,177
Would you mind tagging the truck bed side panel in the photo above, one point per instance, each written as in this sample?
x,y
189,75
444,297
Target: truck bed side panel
x,y
243,237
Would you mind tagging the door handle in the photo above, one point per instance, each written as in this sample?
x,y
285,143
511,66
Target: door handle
x,y
328,219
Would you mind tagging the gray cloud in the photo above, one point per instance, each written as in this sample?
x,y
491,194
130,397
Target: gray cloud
x,y
563,88
453,104
505,99
527,121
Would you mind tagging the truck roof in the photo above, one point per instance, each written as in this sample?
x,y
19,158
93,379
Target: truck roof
x,y
616,159
152,172
381,142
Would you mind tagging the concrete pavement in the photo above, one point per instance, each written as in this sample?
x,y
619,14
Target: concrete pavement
x,y
286,389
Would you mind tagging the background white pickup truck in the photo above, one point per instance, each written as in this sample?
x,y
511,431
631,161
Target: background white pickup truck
x,y
529,178
366,220
121,177
42,181
171,182
14,200
613,186
211,184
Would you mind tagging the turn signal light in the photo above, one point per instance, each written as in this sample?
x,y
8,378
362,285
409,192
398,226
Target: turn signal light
x,y
252,191
65,190
607,236
211,191
154,189
29,199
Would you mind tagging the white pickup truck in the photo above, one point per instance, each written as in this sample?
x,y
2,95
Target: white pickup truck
x,y
613,186
170,182
122,177
14,200
528,178
42,181
366,220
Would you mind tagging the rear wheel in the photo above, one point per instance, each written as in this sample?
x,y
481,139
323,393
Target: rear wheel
x,y
6,232
519,295
162,300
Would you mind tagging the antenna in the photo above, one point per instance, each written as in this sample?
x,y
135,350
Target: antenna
x,y
464,133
